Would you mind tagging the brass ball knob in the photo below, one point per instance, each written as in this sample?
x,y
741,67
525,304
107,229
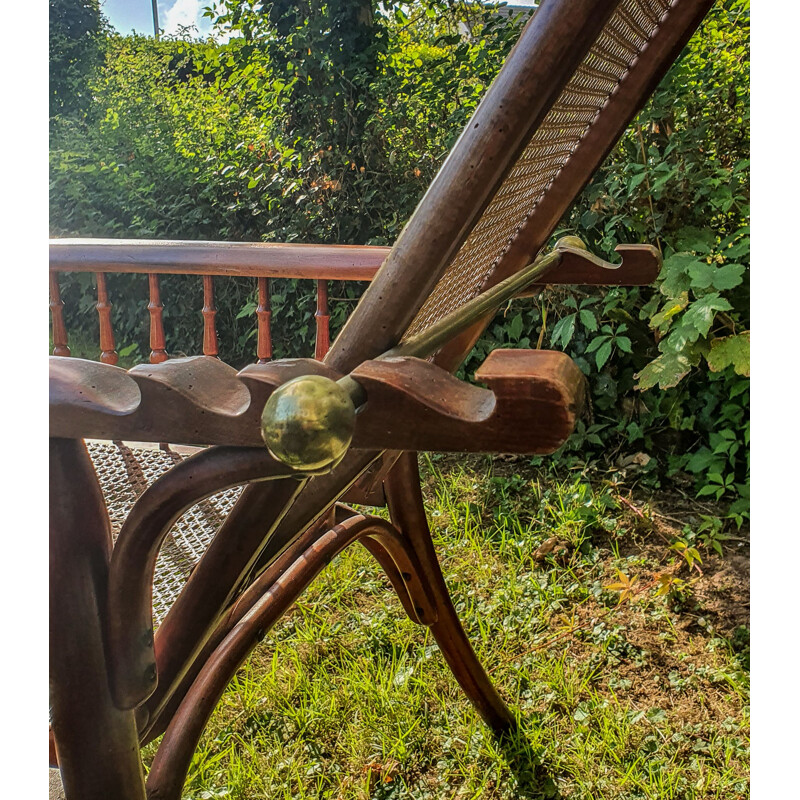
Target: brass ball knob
x,y
308,423
574,242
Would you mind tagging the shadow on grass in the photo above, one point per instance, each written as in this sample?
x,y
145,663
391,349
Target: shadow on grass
x,y
534,781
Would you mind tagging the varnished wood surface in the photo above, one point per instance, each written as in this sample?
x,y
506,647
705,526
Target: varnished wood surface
x,y
108,353
257,259
269,518
531,405
156,724
96,743
264,316
158,343
60,347
407,512
210,341
132,663
640,266
196,400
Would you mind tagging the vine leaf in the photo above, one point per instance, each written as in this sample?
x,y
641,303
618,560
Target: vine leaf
x,y
624,585
731,350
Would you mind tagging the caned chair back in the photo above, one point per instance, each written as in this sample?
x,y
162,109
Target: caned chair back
x,y
578,74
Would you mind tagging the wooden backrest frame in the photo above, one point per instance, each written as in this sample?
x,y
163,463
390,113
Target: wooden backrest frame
x,y
553,45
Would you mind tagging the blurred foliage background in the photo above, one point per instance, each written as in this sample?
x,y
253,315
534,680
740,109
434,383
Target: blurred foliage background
x,y
325,121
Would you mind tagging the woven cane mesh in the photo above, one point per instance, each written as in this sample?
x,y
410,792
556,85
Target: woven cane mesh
x,y
124,473
625,34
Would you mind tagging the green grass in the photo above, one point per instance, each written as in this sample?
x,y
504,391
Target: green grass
x,y
646,698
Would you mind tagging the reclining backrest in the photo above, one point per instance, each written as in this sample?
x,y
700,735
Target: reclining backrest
x,y
578,74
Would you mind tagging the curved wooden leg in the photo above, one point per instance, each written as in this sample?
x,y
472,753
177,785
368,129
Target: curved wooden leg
x,y
171,763
407,510
95,742
156,725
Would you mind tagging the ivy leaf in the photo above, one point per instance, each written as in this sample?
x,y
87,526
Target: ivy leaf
x,y
515,327
731,350
588,319
675,276
666,371
563,330
701,313
603,353
728,277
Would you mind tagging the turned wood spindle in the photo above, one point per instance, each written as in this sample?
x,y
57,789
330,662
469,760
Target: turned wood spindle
x,y
264,314
323,321
210,343
60,347
108,353
158,345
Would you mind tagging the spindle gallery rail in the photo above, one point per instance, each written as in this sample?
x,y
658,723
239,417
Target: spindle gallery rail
x,y
207,260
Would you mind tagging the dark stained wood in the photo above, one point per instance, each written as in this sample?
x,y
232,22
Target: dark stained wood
x,y
550,48
276,538
195,400
640,266
582,275
108,354
157,724
264,316
384,544
407,512
210,343
173,758
60,347
255,259
132,664
97,745
273,514
314,500
227,565
368,489
531,405
158,345
323,340
83,392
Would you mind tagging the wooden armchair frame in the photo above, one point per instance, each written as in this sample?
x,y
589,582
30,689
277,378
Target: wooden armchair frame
x,y
580,71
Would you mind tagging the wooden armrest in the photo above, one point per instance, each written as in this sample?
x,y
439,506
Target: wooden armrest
x,y
197,400
531,405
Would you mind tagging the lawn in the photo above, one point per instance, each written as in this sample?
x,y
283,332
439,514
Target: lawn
x,y
625,658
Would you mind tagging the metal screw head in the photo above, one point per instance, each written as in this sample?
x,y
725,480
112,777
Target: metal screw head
x,y
571,241
308,423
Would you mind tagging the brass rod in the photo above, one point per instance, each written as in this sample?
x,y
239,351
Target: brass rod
x,y
431,339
